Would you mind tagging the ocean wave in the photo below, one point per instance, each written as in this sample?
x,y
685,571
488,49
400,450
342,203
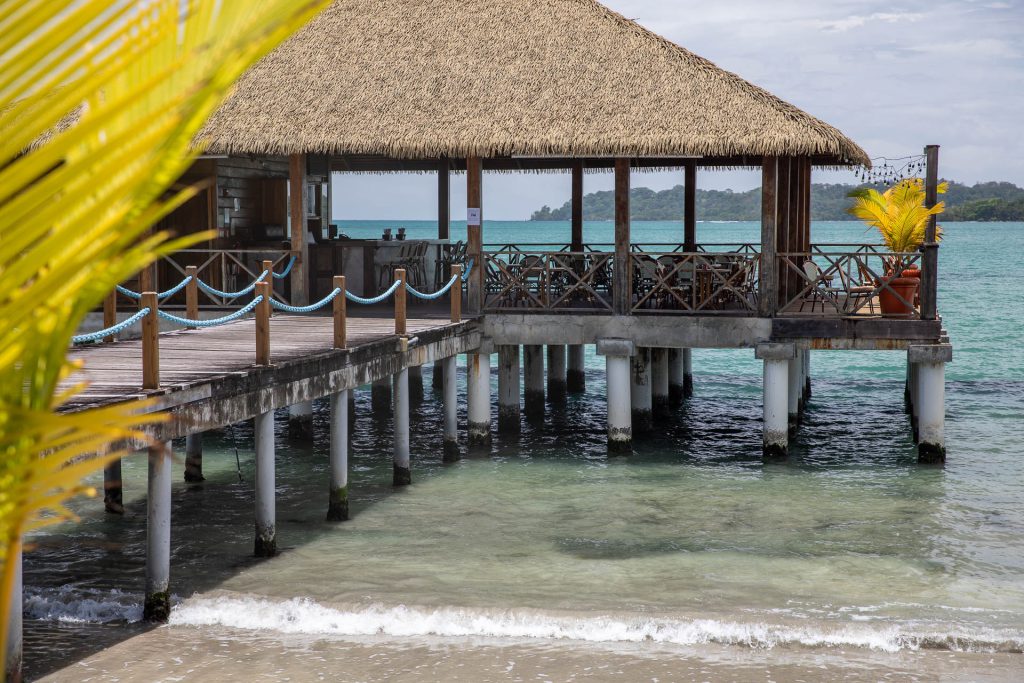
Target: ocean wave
x,y
73,605
305,616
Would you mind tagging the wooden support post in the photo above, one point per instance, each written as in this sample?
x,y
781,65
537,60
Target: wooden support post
x,y
147,278
444,206
622,285
400,326
297,215
768,284
782,224
474,233
263,324
110,313
577,207
930,247
339,310
192,295
690,207
150,343
456,294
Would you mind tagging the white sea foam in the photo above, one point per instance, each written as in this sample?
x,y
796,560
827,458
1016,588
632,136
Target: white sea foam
x,y
82,605
304,616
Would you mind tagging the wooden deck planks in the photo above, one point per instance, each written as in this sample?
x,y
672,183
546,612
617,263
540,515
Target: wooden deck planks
x,y
190,356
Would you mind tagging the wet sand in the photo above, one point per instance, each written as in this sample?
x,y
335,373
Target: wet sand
x,y
191,654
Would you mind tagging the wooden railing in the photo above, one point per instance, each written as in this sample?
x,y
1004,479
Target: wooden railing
x,y
518,279
833,280
695,282
229,270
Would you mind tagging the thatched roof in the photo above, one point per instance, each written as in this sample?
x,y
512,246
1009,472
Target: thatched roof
x,y
429,78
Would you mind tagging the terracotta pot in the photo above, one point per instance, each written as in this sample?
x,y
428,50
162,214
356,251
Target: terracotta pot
x,y
912,272
906,287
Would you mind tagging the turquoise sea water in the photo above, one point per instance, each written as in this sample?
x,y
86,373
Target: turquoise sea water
x,y
692,542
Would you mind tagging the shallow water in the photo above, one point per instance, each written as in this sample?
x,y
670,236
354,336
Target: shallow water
x,y
691,551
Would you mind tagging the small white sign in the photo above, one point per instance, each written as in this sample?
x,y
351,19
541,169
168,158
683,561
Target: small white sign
x,y
473,217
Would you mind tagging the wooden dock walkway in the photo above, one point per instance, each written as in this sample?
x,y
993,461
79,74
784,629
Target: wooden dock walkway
x,y
199,367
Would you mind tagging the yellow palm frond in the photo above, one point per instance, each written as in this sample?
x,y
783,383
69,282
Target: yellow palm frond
x,y
100,101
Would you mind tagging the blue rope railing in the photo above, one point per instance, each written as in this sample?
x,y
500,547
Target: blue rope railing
x,y
213,322
230,295
159,295
306,309
436,295
284,273
469,268
112,330
374,300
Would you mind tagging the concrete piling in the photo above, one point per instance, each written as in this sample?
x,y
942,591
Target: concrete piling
x,y
508,389
266,523
300,421
807,375
777,359
687,372
659,380
575,374
675,377
337,491
557,388
113,492
415,385
533,380
929,396
640,390
402,471
380,396
194,458
618,370
794,389
915,388
13,646
437,376
451,405
157,605
478,392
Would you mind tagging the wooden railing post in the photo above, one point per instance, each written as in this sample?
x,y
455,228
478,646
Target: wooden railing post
x,y
110,313
150,342
339,313
930,247
400,303
192,295
263,324
456,294
622,274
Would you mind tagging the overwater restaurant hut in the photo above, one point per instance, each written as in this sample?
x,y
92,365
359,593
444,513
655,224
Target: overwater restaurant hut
x,y
439,86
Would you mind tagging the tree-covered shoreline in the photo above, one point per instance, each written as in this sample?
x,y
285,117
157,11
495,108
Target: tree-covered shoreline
x,y
993,201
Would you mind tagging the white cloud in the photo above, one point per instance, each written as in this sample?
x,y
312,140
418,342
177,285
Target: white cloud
x,y
859,20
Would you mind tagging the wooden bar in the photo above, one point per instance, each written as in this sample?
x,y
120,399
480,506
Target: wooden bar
x,y
456,294
690,207
192,295
769,275
782,225
444,206
622,284
930,248
297,215
474,247
110,313
577,206
400,326
263,324
339,311
150,342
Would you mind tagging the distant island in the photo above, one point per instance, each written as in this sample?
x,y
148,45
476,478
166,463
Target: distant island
x,y
994,201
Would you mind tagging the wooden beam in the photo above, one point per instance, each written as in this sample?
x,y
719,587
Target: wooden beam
x,y
768,289
297,215
444,203
577,206
400,322
456,294
110,313
474,235
263,324
690,207
622,284
782,224
930,248
192,294
338,309
150,342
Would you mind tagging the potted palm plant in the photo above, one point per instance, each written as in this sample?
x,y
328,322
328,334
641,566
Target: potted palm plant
x,y
900,216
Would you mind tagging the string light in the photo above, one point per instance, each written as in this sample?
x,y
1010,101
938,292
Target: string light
x,y
889,171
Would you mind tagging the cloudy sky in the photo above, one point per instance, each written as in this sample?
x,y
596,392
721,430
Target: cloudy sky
x,y
893,76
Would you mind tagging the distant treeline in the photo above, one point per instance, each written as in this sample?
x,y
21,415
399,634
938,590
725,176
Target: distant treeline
x,y
980,202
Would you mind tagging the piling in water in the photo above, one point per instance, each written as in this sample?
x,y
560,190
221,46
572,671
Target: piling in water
x,y
451,405
575,374
508,389
557,389
640,390
157,605
533,380
194,458
300,421
337,494
265,544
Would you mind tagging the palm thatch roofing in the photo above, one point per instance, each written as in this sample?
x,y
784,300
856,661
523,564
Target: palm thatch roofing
x,y
493,78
